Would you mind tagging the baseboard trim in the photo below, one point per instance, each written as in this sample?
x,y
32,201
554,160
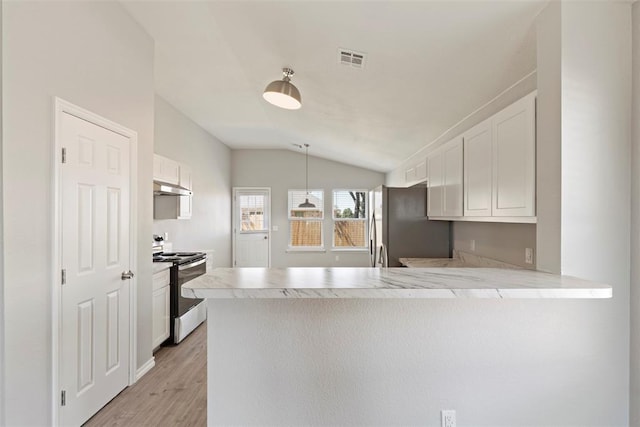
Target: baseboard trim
x,y
148,365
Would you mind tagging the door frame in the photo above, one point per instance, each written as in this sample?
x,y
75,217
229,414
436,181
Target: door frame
x,y
234,191
60,107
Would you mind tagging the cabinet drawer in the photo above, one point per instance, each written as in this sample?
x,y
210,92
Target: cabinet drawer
x,y
161,279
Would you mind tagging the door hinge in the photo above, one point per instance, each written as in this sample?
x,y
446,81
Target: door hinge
x,y
63,279
64,155
63,398
235,262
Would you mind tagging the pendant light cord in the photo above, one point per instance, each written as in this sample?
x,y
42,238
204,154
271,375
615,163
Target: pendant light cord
x,y
306,168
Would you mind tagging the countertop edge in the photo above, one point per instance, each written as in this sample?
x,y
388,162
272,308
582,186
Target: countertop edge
x,y
497,293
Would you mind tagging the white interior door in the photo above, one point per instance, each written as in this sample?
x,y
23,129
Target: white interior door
x,y
94,335
252,211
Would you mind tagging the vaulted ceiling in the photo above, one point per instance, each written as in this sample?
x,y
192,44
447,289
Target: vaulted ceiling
x,y
428,65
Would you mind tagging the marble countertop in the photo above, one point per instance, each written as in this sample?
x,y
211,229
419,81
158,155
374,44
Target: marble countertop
x,y
347,282
434,262
459,259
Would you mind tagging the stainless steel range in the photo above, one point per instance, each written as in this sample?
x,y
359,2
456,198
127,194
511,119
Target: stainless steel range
x,y
186,313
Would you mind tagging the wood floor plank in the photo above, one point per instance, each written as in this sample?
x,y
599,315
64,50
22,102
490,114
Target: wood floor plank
x,y
173,393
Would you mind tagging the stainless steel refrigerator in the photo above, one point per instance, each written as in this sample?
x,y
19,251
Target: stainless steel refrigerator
x,y
399,228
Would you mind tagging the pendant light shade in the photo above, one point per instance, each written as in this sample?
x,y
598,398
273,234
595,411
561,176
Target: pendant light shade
x,y
282,93
306,203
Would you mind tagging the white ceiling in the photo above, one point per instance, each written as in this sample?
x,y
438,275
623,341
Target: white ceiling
x,y
429,64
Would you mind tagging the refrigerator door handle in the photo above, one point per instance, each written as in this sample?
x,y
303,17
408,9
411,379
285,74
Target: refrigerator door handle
x,y
372,239
384,256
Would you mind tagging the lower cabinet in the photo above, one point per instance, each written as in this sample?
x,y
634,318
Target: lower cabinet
x,y
160,304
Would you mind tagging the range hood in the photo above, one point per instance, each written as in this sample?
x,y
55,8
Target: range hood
x,y
164,189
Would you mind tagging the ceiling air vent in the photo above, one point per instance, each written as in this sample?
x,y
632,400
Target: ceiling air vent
x,y
351,58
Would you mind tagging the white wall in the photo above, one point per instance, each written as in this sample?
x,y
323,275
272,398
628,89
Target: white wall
x,y
2,308
634,415
94,55
584,87
548,139
179,138
503,242
399,362
284,170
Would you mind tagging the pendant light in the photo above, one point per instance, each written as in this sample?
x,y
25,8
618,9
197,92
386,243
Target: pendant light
x,y
282,93
306,203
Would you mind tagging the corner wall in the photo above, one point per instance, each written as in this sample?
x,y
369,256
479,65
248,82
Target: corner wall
x,y
634,413
179,138
585,90
96,56
2,307
284,170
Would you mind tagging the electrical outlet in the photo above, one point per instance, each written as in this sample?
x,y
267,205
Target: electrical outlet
x,y
448,418
274,228
528,255
472,245
337,257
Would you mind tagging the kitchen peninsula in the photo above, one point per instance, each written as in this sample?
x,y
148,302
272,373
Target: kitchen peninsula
x,y
345,282
338,346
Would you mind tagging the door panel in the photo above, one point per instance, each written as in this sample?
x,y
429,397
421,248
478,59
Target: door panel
x,y
95,219
477,170
251,225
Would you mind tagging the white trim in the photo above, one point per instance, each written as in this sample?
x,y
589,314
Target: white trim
x,y
60,107
234,223
146,367
509,219
305,249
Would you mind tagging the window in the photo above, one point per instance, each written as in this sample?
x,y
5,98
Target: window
x,y
252,215
305,222
350,219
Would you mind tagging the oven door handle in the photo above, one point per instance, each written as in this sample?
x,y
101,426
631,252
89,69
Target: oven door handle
x,y
191,264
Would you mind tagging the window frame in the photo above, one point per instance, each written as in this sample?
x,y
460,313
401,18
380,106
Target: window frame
x,y
321,220
365,220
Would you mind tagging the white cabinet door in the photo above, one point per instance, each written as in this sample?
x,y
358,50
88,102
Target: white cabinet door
x,y
185,203
185,177
410,175
165,170
478,170
452,178
185,207
514,159
160,306
435,184
160,315
421,170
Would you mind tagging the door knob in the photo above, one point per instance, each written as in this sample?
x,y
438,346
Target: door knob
x,y
265,237
126,275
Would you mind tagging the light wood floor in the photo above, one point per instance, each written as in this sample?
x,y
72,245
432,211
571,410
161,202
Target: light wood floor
x,y
173,393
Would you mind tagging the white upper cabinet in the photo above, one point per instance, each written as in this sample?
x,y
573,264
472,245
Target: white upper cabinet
x,y
185,180
421,170
171,172
415,172
444,197
166,170
452,178
435,190
488,173
478,170
514,150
